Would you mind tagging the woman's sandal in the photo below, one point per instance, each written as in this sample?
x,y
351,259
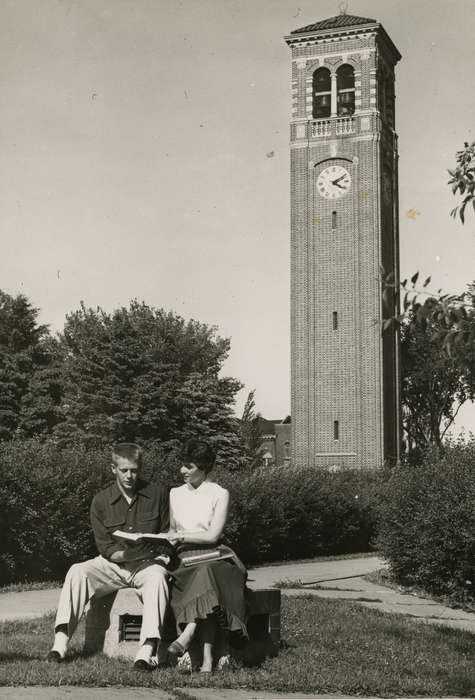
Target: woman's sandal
x,y
176,649
224,663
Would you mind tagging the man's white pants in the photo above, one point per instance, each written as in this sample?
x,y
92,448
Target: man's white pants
x,y
99,577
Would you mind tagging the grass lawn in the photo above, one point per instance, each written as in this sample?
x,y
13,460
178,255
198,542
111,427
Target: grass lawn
x,y
331,646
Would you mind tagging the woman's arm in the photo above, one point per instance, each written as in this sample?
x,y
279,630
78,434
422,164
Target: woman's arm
x,y
172,520
215,530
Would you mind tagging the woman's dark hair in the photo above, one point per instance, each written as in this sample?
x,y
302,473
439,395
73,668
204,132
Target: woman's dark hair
x,y
200,453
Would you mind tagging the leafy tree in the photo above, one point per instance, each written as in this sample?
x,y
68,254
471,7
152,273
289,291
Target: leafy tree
x,y
438,335
22,355
435,384
146,375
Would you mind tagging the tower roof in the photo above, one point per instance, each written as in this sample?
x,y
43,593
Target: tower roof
x,y
341,20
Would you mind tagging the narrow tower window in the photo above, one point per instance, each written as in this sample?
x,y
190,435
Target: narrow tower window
x,y
333,220
345,83
321,93
336,430
389,106
382,93
335,320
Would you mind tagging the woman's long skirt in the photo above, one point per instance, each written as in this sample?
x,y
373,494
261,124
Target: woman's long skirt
x,y
210,587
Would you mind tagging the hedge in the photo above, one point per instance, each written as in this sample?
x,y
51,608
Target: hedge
x,y
276,513
427,522
282,513
44,516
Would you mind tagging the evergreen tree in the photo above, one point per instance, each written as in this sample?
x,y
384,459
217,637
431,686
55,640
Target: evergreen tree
x,y
41,405
22,355
250,432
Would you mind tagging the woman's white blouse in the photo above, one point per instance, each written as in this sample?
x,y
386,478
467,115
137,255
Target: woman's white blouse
x,y
193,509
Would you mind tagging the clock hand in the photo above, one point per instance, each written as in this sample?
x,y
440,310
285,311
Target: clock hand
x,y
335,182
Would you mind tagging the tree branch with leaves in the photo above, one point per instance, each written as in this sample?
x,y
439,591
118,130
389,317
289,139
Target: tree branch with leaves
x,y
462,179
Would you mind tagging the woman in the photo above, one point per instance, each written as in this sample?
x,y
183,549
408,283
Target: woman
x,y
207,592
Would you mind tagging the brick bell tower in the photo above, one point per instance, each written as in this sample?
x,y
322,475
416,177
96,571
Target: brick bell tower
x,y
344,232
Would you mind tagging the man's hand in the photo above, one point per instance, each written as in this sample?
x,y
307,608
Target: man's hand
x,y
118,557
140,551
173,537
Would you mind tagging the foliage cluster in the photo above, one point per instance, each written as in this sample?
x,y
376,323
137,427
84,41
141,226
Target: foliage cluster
x,y
427,522
436,379
462,179
437,333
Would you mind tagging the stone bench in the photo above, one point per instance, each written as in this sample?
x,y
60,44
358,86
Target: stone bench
x,y
113,623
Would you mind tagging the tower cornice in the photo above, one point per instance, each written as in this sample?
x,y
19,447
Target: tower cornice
x,y
316,36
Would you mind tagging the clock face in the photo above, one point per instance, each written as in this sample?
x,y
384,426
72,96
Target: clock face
x,y
333,182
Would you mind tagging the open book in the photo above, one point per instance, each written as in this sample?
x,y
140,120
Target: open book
x,y
187,558
138,536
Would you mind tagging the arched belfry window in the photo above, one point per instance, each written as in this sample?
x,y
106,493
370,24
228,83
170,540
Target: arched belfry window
x,y
345,85
322,93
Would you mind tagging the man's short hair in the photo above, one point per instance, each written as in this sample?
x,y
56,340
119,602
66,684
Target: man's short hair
x,y
200,452
127,450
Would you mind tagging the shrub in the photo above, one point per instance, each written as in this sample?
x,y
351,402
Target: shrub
x,y
44,518
427,522
281,513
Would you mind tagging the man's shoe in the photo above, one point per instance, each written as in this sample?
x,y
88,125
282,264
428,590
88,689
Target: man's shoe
x,y
146,658
54,656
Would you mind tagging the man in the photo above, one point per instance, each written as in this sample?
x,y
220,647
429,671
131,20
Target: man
x,y
131,505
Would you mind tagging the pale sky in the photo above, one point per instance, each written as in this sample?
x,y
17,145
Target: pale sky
x,y
144,154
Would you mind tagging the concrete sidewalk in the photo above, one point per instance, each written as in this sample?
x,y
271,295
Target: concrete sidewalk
x,y
28,604
344,580
77,693
341,579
